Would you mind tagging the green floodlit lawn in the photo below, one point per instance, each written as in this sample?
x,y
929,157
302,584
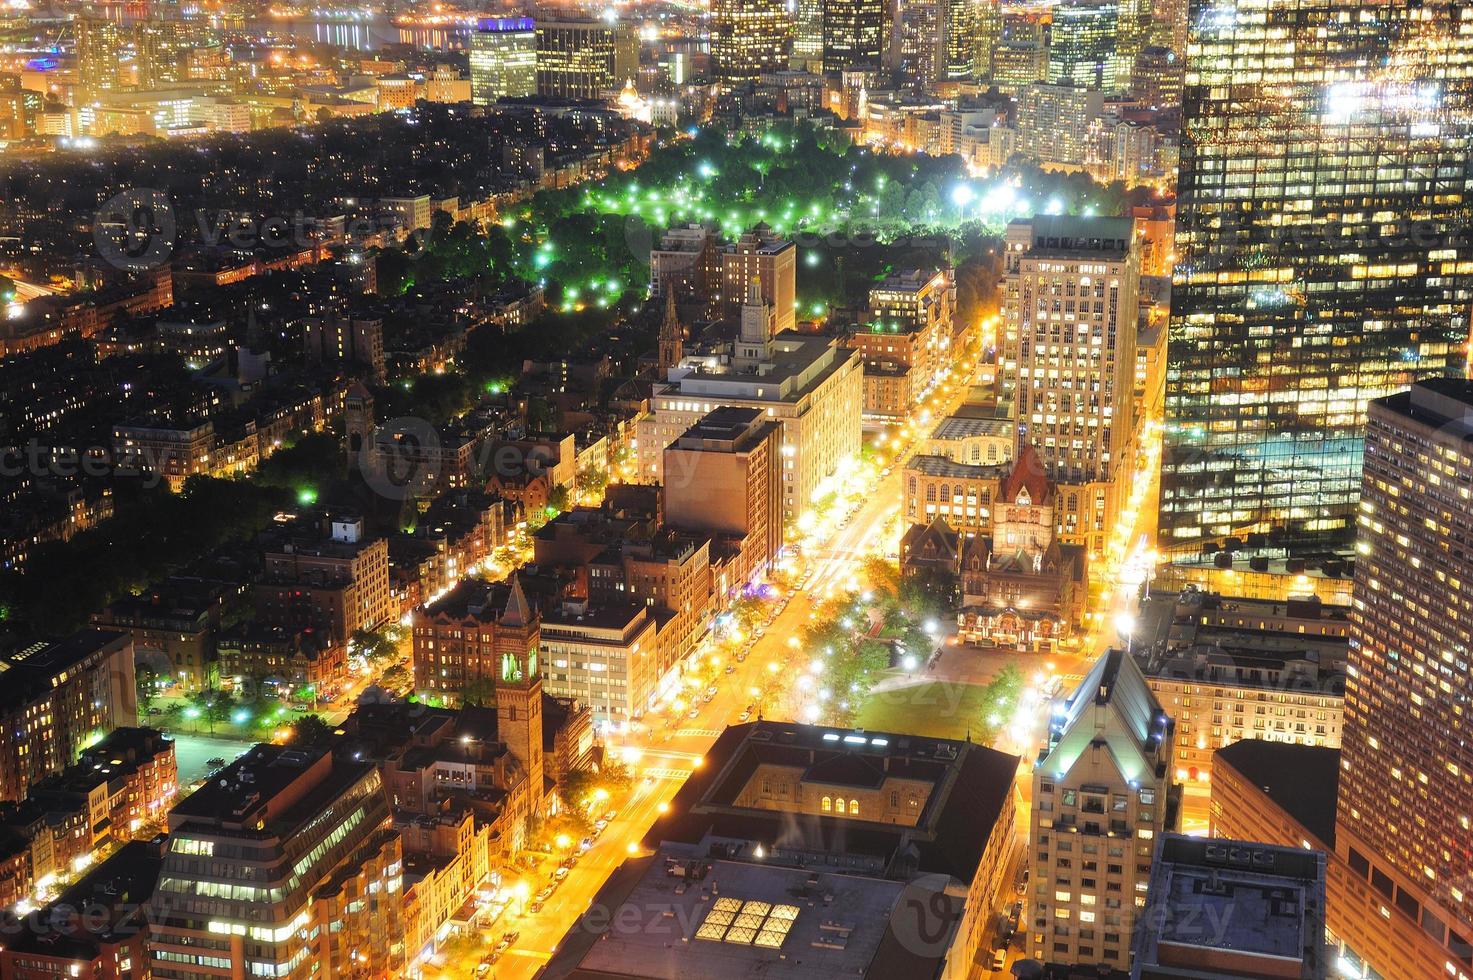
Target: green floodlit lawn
x,y
937,709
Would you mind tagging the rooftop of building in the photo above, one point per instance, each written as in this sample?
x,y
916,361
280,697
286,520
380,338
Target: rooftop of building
x,y
961,427
1068,235
102,906
28,673
270,791
1237,899
680,915
800,363
723,429
472,598
1443,403
909,281
1132,724
970,786
596,616
1257,641
928,465
1303,780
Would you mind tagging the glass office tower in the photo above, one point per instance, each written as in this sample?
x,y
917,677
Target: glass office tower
x,y
1322,257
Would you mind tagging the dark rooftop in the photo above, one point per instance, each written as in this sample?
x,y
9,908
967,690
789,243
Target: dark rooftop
x,y
1302,779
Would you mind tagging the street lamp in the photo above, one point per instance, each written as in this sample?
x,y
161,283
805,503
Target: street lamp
x,y
1125,626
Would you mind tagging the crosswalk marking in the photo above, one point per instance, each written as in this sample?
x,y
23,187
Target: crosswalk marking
x,y
680,774
700,732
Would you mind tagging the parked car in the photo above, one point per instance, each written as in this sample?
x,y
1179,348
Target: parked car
x,y
999,959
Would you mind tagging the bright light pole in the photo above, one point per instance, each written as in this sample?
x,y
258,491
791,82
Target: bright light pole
x,y
1125,626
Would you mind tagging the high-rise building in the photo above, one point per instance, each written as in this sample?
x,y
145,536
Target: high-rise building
x,y
807,49
1084,45
772,262
748,38
958,33
100,45
723,476
1226,909
1406,804
855,34
58,698
1069,351
287,862
1324,173
1102,794
582,59
1017,64
906,341
920,43
1059,123
811,385
503,59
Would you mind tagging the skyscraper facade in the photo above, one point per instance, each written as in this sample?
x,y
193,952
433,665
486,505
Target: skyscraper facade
x,y
582,59
748,37
503,59
1406,804
1083,45
853,34
1069,313
1325,162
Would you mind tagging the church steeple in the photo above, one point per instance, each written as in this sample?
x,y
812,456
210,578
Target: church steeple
x,y
672,335
754,342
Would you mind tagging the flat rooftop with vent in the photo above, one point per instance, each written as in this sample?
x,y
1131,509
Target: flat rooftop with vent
x,y
857,830
674,916
1220,909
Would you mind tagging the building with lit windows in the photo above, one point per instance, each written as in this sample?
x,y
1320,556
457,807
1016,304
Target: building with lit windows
x,y
503,59
1102,794
96,929
1070,312
855,33
807,48
1406,804
821,847
604,654
1083,45
59,697
748,38
724,477
810,385
1021,588
1323,183
583,59
906,341
1228,668
762,257
1059,124
284,864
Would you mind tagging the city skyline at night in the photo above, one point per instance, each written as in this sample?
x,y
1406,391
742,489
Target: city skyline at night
x,y
827,488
